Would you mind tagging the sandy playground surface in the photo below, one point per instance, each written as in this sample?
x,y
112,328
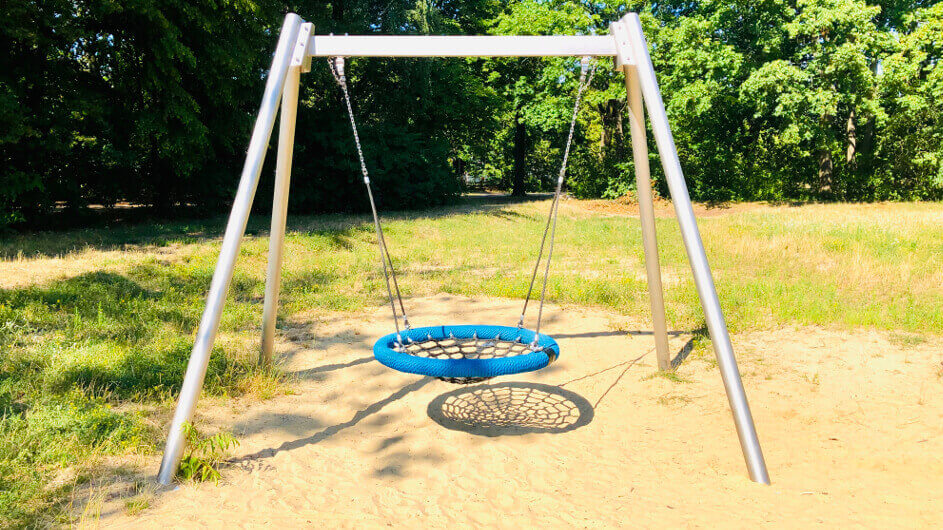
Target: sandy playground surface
x,y
850,424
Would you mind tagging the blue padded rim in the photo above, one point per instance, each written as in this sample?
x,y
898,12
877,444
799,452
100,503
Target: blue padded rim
x,y
527,362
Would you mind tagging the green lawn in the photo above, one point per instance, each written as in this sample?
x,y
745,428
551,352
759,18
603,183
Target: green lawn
x,y
90,363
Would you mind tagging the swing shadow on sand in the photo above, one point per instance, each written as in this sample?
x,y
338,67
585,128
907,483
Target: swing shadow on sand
x,y
503,409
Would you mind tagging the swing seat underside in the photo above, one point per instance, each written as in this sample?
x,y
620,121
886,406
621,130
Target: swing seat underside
x,y
466,354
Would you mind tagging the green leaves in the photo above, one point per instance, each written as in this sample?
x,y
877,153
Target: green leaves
x,y
204,454
151,102
784,99
910,154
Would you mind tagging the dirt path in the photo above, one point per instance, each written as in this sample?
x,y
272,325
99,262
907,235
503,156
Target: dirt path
x,y
851,426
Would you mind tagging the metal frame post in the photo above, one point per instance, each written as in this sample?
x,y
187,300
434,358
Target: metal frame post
x,y
286,142
646,202
229,251
703,279
276,246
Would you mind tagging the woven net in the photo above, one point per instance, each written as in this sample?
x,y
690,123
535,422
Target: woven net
x,y
471,348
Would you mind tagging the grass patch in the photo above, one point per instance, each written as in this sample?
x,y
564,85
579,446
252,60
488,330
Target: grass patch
x,y
669,375
672,400
79,358
906,340
137,504
82,357
813,380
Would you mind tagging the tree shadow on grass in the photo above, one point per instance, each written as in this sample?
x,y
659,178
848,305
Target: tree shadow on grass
x,y
105,334
83,293
145,231
143,374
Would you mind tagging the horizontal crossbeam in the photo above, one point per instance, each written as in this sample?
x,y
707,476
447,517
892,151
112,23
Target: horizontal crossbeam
x,y
460,46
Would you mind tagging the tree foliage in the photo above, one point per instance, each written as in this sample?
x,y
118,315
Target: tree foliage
x,y
910,152
151,102
147,101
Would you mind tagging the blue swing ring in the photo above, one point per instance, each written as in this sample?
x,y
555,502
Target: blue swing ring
x,y
466,354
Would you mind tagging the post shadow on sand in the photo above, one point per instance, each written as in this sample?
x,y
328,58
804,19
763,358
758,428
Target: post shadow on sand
x,y
675,362
501,409
334,429
682,354
595,334
310,373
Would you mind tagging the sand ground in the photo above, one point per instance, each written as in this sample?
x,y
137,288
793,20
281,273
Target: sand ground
x,y
850,423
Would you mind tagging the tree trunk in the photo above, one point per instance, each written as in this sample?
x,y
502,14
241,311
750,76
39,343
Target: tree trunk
x,y
164,196
606,137
619,130
826,171
458,166
610,114
612,148
520,152
826,165
851,134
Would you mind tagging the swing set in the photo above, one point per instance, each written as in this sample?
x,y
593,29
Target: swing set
x,y
463,354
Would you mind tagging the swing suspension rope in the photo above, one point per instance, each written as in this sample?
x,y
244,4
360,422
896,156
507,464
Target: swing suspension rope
x,y
466,354
389,273
551,225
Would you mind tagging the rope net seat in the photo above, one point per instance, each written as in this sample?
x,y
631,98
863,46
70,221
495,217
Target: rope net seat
x,y
466,354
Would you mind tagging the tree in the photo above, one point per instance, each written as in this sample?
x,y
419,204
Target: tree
x,y
421,120
699,74
769,96
910,146
152,102
535,90
147,101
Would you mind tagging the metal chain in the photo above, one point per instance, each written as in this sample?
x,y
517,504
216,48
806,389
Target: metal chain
x,y
551,225
336,65
389,273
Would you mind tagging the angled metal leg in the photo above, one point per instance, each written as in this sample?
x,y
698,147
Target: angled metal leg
x,y
646,207
286,141
695,249
235,228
